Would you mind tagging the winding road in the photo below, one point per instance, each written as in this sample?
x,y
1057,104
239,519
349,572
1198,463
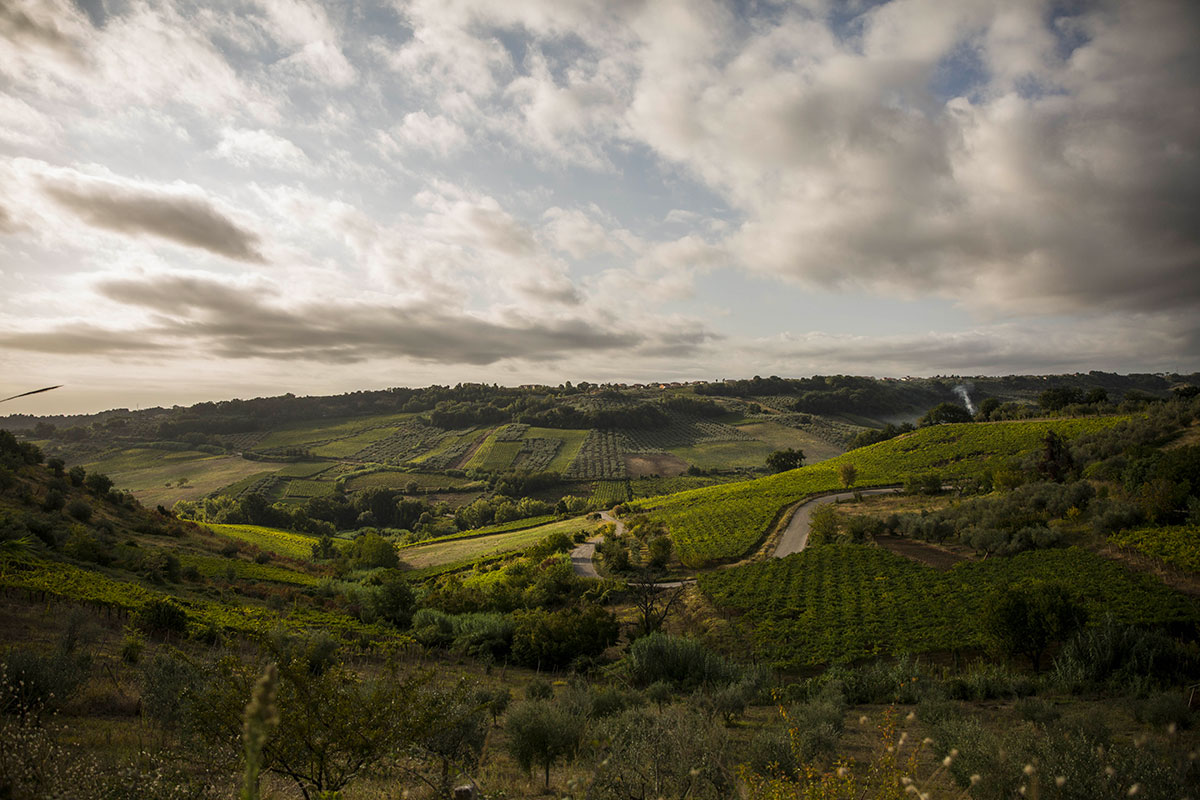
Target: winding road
x,y
793,540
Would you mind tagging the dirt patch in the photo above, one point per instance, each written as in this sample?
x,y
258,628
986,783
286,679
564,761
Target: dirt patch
x,y
665,465
930,555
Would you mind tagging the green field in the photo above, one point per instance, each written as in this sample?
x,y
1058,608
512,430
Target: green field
x,y
724,522
572,440
394,479
1178,545
844,602
304,469
780,437
725,455
494,455
347,447
455,550
153,475
307,434
306,489
284,543
210,566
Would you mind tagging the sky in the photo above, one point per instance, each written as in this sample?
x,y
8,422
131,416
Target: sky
x,y
210,200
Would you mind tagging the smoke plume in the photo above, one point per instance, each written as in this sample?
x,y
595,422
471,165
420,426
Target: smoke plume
x,y
962,392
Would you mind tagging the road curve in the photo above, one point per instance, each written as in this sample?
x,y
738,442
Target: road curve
x,y
584,552
795,536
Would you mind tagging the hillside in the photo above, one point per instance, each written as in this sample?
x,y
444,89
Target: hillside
x,y
179,618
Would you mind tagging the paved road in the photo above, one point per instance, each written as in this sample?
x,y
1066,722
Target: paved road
x,y
582,555
795,536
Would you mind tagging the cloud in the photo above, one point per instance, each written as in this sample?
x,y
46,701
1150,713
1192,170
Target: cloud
x,y
248,148
184,215
1035,183
252,319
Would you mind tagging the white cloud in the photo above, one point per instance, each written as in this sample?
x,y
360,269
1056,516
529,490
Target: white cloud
x,y
248,148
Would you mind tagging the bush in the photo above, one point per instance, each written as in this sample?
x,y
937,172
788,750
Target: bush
x,y
31,682
161,618
539,689
79,509
679,662
1164,709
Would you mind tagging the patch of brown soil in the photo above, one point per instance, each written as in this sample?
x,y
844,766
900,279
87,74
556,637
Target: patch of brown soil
x,y
665,465
930,555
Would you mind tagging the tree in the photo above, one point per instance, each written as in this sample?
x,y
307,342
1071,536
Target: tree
x,y
1060,397
848,473
652,601
1026,620
1056,462
945,413
541,732
783,460
333,725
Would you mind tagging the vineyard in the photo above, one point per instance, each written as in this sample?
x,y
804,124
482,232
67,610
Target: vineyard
x,y
607,494
304,469
1178,545
514,432
844,602
398,479
450,451
537,455
684,431
403,443
302,489
724,522
273,540
211,566
87,586
600,458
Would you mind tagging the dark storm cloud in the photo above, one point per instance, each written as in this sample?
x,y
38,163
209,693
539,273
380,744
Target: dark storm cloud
x,y
187,219
244,322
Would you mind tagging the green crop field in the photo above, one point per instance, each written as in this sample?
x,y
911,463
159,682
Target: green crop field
x,y
1177,545
284,543
455,550
210,566
572,441
153,475
304,469
305,489
844,602
724,522
607,494
725,455
395,479
312,433
780,437
347,447
488,530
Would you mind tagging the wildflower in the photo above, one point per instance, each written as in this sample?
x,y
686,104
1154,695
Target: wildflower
x,y
1060,780
975,779
1135,789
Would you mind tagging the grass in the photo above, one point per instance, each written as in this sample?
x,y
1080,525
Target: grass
x,y
210,566
147,473
284,543
304,469
503,527
304,434
393,479
305,489
345,448
780,437
725,455
447,552
572,440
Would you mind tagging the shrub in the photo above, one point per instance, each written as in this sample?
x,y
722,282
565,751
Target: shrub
x,y
79,509
679,662
539,689
161,618
31,682
1164,709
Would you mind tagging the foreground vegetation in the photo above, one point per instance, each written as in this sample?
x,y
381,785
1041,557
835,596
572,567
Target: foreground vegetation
x,y
993,639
